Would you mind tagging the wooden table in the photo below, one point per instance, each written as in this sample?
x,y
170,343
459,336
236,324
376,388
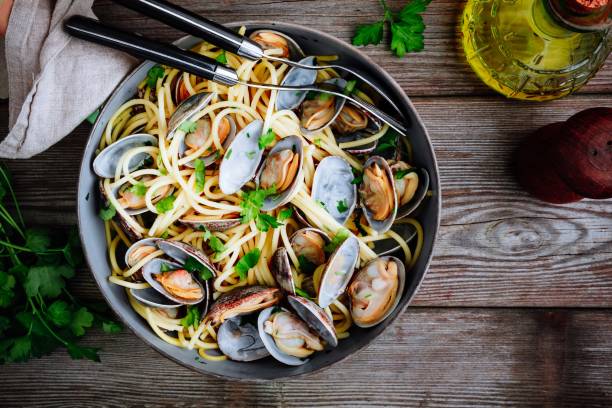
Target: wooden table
x,y
514,310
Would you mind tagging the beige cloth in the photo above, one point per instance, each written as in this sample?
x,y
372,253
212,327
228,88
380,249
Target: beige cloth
x,y
54,81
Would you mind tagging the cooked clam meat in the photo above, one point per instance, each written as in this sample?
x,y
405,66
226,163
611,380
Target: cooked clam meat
x,y
269,41
406,182
180,283
377,192
317,112
140,253
198,138
310,245
350,120
130,197
374,291
291,335
279,170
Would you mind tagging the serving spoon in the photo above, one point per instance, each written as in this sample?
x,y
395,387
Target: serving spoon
x,y
200,65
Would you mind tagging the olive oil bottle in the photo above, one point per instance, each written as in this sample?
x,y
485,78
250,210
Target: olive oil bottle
x,y
536,49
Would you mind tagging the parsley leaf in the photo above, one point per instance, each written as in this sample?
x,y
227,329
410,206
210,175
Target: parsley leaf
x,y
111,327
78,352
252,201
401,173
222,58
367,34
160,165
80,320
194,266
192,318
107,213
37,240
216,244
154,74
139,189
7,283
47,280
302,293
338,239
21,349
248,261
188,126
59,313
305,265
200,175
265,221
341,206
165,204
405,39
386,142
285,214
266,139
350,87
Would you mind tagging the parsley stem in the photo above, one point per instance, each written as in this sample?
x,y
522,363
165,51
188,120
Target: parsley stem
x,y
7,182
8,244
36,313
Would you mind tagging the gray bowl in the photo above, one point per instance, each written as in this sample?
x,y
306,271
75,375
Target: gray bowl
x,y
92,228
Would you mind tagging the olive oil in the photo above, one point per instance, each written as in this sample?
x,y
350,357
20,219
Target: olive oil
x,y
524,50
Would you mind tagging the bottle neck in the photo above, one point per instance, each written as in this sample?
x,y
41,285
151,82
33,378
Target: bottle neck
x,y
580,15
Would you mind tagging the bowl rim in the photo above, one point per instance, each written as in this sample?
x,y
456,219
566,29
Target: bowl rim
x,y
390,82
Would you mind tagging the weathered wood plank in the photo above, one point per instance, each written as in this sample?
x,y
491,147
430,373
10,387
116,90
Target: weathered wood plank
x,y
440,69
497,246
431,357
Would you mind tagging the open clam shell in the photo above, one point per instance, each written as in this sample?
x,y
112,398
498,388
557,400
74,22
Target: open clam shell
x,y
153,297
239,340
280,266
338,271
105,163
296,77
294,51
368,285
315,318
419,195
154,267
310,247
241,159
140,249
117,188
270,343
180,251
346,130
186,110
294,144
211,157
332,186
383,225
222,224
388,246
338,104
242,301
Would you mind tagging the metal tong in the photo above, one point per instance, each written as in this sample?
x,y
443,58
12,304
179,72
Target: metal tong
x,y
194,63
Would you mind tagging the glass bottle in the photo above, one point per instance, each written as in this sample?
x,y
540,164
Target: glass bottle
x,y
536,49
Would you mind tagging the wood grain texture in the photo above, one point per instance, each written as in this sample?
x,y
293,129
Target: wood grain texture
x,y
439,70
430,358
497,246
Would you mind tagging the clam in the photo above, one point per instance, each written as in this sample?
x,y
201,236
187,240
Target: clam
x,y
287,338
308,244
296,77
377,194
137,252
281,169
186,110
333,187
153,296
241,159
196,139
242,301
180,90
270,39
354,123
239,340
133,201
281,270
411,185
315,318
320,109
105,164
376,290
220,224
338,271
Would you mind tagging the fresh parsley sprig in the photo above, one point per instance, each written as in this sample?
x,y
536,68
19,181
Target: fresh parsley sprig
x,y
407,28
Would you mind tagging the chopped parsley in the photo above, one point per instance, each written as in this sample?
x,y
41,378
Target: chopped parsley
x,y
250,155
188,126
200,175
160,165
387,141
341,206
338,239
266,139
317,141
252,201
192,318
222,58
285,214
194,266
302,293
265,221
248,261
139,189
350,87
165,204
164,267
305,265
321,204
107,213
228,154
154,74
324,96
401,173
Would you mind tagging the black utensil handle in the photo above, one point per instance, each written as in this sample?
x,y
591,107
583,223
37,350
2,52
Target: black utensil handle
x,y
141,47
194,24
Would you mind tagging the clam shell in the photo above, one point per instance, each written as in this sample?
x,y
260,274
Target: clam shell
x,y
212,225
180,251
332,183
338,272
280,267
211,158
115,189
325,237
296,77
384,225
401,272
295,51
315,318
295,144
240,166
388,246
105,163
240,341
138,244
419,195
153,267
151,297
270,344
186,110
339,103
241,301
374,126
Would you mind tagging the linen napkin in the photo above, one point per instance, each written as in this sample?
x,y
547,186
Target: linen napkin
x,y
55,81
